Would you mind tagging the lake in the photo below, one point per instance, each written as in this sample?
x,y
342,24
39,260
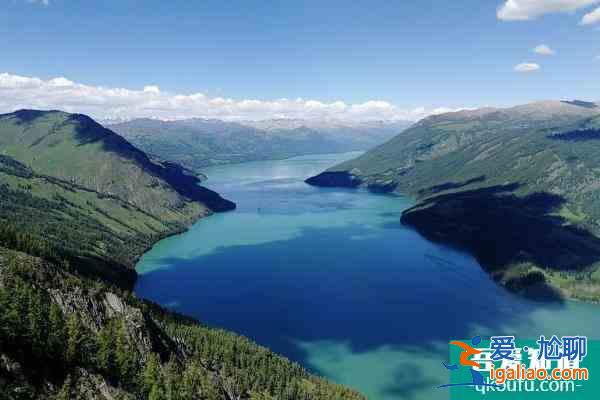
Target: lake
x,y
331,279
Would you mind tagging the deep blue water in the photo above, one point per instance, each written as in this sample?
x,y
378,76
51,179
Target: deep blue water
x,y
331,279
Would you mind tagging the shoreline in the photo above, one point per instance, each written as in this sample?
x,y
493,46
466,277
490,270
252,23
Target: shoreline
x,y
185,227
498,234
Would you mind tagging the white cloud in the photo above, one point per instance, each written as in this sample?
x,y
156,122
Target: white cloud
x,y
591,17
152,89
544,50
42,2
523,10
118,103
526,67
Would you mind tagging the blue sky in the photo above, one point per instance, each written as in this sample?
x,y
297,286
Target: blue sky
x,y
426,53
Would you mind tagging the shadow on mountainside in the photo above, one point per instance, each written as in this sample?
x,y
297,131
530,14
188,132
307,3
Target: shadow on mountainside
x,y
184,182
503,230
580,103
86,131
580,135
450,186
25,116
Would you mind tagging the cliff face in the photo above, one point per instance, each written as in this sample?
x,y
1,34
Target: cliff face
x,y
92,306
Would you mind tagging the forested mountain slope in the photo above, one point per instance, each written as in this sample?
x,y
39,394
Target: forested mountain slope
x,y
65,337
519,187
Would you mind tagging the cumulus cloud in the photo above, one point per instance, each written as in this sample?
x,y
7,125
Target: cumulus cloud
x,y
544,50
152,89
523,10
526,67
118,103
591,17
42,2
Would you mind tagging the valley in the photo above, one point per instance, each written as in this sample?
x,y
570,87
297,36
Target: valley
x,y
299,200
337,311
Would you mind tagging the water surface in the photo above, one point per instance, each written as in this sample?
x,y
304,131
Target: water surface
x,y
329,278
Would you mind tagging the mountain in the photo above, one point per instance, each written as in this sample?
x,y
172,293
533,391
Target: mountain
x,y
368,132
197,143
518,187
78,205
88,192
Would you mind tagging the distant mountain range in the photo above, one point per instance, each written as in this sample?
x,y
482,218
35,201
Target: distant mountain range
x,y
78,206
519,187
197,143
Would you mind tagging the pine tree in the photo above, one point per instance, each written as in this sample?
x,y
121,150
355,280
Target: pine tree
x,y
74,340
151,373
66,390
37,324
56,334
171,380
156,393
105,354
190,382
126,360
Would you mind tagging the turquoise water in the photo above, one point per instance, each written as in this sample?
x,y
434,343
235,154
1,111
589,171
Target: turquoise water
x,y
329,278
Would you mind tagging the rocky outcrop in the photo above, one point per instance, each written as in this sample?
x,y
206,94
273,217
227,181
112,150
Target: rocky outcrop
x,y
335,179
89,386
95,307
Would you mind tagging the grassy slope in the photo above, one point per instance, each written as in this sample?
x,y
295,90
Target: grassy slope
x,y
75,148
522,182
106,233
89,192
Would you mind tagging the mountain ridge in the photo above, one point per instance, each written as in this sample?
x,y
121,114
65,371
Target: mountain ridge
x,y
87,132
198,143
92,197
534,165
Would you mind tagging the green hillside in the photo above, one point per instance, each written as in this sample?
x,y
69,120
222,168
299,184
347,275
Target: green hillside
x,y
78,206
518,187
75,148
89,193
